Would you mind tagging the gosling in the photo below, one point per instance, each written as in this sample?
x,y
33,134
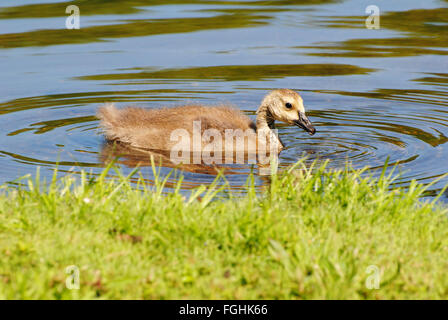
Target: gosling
x,y
153,128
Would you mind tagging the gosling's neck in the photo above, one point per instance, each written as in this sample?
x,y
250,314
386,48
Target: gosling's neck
x,y
265,121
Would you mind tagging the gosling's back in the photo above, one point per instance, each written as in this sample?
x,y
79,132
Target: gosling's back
x,y
152,128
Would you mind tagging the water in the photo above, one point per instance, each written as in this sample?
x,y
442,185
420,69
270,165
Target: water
x,y
372,94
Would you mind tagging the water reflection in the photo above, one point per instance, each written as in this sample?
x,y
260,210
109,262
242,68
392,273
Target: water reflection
x,y
236,73
113,7
425,32
212,165
139,28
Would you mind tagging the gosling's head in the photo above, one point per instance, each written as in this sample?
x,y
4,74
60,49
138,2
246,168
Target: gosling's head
x,y
287,106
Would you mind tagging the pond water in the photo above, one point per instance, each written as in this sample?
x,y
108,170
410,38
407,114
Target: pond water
x,y
372,94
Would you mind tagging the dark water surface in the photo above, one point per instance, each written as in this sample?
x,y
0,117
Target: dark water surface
x,y
372,94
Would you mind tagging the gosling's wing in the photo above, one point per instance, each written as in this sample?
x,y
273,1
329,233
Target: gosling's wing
x,y
142,128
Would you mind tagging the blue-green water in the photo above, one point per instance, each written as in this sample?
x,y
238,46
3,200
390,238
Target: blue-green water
x,y
372,94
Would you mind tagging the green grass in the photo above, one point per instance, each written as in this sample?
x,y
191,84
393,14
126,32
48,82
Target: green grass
x,y
306,236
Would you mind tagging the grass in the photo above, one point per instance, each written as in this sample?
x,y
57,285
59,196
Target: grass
x,y
312,234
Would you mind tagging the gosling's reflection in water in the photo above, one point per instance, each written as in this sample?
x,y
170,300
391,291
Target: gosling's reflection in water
x,y
194,162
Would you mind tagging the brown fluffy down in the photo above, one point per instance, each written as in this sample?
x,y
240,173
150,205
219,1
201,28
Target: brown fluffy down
x,y
151,128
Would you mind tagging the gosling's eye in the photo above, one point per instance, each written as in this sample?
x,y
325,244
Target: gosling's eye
x,y
288,105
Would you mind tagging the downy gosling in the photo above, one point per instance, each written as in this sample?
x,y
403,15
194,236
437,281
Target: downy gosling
x,y
158,129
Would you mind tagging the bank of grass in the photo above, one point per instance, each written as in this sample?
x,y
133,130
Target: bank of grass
x,y
307,236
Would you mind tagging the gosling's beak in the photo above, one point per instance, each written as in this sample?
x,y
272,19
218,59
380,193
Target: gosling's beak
x,y
305,123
